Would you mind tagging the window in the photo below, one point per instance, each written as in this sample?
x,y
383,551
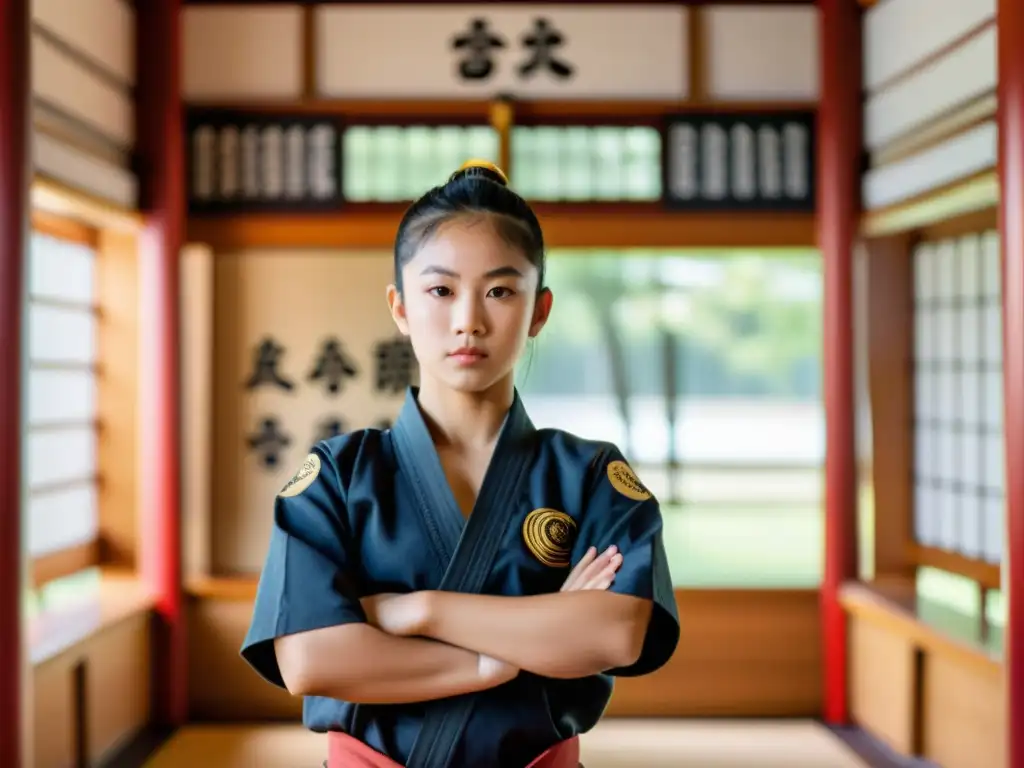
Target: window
x,y
704,368
953,604
61,439
393,163
959,483
587,163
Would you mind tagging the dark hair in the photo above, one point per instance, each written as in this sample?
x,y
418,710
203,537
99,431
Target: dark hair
x,y
476,188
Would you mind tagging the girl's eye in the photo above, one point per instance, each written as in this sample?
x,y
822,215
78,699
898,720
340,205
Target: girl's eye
x,y
440,291
501,292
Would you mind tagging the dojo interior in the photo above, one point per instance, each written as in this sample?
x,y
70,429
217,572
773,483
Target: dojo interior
x,y
786,246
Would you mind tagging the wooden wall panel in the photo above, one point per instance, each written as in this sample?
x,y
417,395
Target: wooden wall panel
x,y
882,684
222,687
117,695
117,276
242,52
197,355
83,100
964,714
917,688
761,54
890,344
299,300
742,653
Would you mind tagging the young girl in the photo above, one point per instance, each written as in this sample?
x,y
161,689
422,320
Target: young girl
x,y
417,590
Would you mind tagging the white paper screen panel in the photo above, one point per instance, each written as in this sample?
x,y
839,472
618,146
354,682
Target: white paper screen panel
x,y
62,518
61,441
61,456
630,51
965,73
963,155
958,435
102,30
899,34
62,81
242,52
61,271
762,54
61,334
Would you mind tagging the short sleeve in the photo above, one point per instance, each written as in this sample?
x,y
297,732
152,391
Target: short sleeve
x,y
306,583
620,510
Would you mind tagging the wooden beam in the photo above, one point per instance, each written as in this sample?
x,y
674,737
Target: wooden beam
x,y
60,200
477,111
1011,229
161,156
15,157
890,337
838,166
117,396
538,2
596,228
986,574
61,228
977,193
65,562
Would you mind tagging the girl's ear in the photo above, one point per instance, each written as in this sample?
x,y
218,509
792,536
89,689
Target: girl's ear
x,y
541,311
397,308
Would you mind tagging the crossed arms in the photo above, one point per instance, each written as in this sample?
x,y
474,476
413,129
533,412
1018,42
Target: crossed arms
x,y
431,645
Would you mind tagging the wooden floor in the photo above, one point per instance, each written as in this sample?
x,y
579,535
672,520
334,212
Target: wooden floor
x,y
613,744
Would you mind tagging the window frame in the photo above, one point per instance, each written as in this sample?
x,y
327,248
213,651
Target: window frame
x,y
67,561
115,427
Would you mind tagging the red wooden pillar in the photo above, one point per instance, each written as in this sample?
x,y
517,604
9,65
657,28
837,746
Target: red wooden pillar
x,y
161,176
1011,230
14,180
838,180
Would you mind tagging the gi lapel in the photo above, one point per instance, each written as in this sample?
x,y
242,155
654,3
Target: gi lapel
x,y
463,543
474,549
421,477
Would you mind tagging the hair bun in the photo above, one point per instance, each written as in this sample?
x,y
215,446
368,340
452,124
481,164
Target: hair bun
x,y
483,168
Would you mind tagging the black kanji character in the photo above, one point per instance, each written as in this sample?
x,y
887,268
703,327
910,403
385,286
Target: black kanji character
x,y
266,357
542,41
395,365
477,64
333,366
328,428
268,441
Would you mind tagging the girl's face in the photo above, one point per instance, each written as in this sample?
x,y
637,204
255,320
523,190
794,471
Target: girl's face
x,y
468,305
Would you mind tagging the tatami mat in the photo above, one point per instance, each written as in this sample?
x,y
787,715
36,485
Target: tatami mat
x,y
613,744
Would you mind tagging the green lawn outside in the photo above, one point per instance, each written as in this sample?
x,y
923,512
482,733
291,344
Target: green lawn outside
x,y
780,547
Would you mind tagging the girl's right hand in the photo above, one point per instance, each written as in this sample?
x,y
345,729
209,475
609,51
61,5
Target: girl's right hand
x,y
594,571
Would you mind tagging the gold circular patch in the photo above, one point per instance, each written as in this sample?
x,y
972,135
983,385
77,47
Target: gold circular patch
x,y
549,535
303,478
624,480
